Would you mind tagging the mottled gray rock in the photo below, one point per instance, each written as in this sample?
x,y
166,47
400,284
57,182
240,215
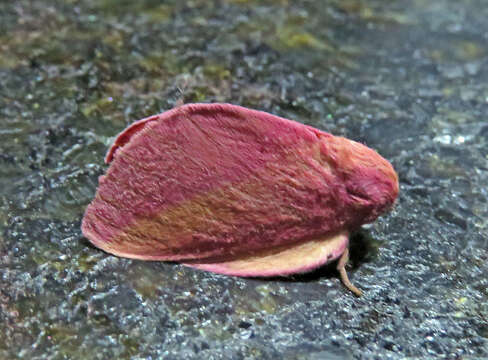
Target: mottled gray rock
x,y
409,79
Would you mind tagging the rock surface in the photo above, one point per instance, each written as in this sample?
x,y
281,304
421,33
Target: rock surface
x,y
409,79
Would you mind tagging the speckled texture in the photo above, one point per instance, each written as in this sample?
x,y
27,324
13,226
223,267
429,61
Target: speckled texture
x,y
409,79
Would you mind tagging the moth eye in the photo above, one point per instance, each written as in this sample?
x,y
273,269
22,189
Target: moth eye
x,y
357,194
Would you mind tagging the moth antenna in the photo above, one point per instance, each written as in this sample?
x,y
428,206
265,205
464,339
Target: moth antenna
x,y
182,87
341,267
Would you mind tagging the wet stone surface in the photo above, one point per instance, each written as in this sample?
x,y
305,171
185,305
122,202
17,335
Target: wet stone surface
x,y
409,79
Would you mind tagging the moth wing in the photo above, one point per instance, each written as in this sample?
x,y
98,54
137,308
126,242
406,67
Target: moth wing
x,y
125,136
285,260
213,180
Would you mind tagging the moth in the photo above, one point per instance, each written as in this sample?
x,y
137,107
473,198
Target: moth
x,y
236,191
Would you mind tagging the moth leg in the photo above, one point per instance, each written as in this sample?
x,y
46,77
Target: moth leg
x,y
341,267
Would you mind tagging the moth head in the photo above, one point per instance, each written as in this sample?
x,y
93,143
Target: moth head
x,y
369,180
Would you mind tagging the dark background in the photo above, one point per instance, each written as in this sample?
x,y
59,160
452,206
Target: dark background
x,y
407,78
